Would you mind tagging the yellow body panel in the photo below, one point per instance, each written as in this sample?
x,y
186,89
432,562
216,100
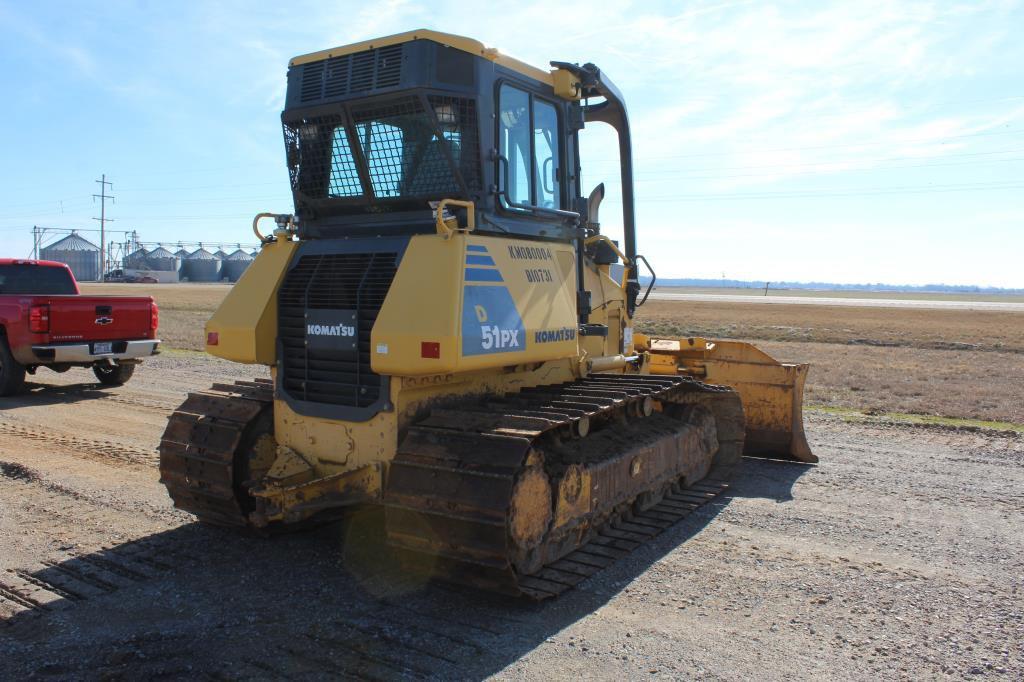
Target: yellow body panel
x,y
333,446
608,307
246,321
486,302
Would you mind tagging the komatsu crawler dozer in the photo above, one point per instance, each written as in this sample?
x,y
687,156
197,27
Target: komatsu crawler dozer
x,y
450,335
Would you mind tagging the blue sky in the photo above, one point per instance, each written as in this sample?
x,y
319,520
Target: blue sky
x,y
850,141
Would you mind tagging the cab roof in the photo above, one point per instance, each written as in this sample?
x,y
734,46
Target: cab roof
x,y
474,47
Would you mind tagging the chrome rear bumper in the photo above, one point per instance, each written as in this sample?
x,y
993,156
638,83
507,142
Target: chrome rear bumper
x,y
83,352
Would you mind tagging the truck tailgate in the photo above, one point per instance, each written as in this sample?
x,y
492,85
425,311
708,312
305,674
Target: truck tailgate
x,y
99,318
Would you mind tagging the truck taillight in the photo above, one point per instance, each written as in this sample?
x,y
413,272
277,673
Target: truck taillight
x,y
154,316
39,319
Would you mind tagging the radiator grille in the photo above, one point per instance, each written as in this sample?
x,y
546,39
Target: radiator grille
x,y
357,282
351,74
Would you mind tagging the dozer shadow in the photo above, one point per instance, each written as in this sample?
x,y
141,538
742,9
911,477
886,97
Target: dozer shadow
x,y
330,602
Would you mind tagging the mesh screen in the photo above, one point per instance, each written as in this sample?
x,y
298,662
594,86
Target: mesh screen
x,y
320,161
456,116
404,155
400,142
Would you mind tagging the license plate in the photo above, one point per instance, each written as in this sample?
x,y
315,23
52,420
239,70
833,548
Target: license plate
x,y
103,348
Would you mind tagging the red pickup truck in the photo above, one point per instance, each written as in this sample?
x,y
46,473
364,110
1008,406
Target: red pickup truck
x,y
45,321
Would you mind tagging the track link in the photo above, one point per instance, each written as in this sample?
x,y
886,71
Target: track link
x,y
453,486
199,446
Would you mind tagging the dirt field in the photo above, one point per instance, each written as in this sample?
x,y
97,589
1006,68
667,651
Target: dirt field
x,y
900,555
829,293
959,364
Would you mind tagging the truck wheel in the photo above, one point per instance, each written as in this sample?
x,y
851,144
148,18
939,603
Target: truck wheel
x,y
12,372
111,374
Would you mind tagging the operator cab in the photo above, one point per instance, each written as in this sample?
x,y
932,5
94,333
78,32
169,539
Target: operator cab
x,y
376,133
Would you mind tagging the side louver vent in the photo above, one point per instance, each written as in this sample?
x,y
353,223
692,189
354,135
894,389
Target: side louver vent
x,y
352,73
355,283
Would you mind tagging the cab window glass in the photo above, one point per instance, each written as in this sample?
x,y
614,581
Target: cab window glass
x,y
528,141
545,154
514,145
344,176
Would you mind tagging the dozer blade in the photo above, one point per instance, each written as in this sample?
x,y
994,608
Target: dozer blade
x,y
772,392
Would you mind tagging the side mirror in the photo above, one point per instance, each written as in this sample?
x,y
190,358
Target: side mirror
x,y
594,206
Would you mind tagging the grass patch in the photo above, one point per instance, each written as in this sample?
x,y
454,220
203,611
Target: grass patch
x,y
851,415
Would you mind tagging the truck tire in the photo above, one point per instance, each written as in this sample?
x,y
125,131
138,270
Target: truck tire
x,y
111,374
12,372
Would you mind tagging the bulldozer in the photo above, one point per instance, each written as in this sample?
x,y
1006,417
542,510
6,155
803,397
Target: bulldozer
x,y
450,335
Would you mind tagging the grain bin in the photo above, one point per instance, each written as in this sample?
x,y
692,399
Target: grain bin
x,y
182,255
202,266
236,263
163,260
136,260
81,255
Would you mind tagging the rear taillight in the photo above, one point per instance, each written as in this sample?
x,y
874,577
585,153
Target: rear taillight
x,y
39,319
154,316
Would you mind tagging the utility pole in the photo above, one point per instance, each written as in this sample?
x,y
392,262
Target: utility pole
x,y
103,196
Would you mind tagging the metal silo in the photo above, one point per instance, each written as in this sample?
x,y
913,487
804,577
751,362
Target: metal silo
x,y
182,256
202,266
81,255
163,260
236,263
136,260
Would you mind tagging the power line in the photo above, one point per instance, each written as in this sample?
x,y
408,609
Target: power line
x,y
893,142
675,176
883,159
839,192
103,196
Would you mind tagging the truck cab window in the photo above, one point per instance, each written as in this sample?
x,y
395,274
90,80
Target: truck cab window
x,y
528,140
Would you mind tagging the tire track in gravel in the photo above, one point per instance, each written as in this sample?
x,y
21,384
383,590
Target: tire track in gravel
x,y
54,501
144,403
83,447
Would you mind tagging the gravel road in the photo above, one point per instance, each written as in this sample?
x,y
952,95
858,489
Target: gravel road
x,y
900,555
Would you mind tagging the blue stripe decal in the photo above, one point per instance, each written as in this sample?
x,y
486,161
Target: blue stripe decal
x,y
476,247
479,260
480,275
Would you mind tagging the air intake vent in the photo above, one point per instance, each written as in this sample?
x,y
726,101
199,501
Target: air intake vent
x,y
312,81
346,283
351,74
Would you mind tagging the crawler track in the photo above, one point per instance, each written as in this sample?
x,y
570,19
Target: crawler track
x,y
526,494
197,450
622,454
